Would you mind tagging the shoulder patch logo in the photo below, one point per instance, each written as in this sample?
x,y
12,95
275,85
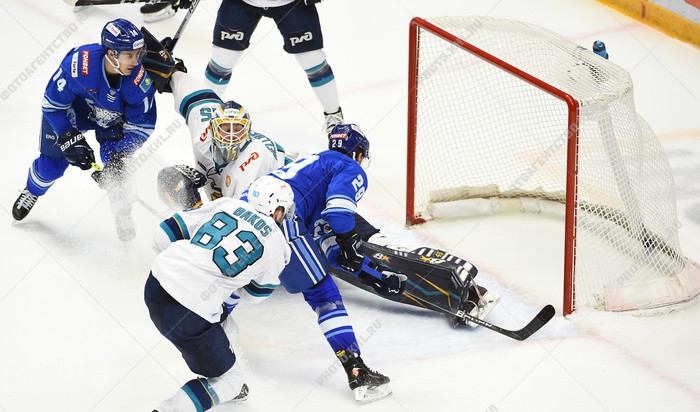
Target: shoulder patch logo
x,y
146,83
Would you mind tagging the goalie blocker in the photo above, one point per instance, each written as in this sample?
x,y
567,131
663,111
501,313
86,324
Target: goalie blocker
x,y
432,275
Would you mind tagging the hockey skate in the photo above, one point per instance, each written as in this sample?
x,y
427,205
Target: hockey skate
x,y
366,384
24,203
478,303
156,12
333,119
126,230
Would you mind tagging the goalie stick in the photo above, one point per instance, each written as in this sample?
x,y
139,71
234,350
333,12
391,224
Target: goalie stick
x,y
533,326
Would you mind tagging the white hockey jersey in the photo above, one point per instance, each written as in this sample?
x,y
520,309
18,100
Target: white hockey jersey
x,y
220,248
198,105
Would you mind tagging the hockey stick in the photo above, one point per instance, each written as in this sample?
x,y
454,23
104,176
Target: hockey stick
x,y
535,324
171,45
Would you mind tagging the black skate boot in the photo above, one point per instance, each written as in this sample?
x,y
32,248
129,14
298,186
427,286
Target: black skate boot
x,y
156,12
367,384
24,203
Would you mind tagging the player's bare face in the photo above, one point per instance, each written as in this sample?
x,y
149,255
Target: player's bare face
x,y
128,60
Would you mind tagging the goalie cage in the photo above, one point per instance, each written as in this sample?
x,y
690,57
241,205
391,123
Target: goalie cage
x,y
514,117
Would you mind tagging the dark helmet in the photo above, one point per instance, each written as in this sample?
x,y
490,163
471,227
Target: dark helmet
x,y
349,139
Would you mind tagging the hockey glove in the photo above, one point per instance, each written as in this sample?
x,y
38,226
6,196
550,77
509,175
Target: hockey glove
x,y
391,284
311,2
113,175
351,253
180,4
76,149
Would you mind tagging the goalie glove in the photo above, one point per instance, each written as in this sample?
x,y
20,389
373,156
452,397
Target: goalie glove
x,y
351,254
159,62
178,186
76,149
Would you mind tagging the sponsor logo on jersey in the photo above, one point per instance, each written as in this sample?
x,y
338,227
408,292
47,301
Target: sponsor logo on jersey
x,y
74,65
112,95
139,76
246,163
85,62
233,35
205,134
300,39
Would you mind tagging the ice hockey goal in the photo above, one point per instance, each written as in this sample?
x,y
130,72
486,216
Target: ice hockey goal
x,y
508,116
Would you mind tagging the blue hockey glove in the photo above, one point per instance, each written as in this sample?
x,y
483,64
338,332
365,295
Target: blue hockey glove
x,y
351,253
76,149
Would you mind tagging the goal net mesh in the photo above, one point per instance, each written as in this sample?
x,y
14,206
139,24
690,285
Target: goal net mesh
x,y
486,141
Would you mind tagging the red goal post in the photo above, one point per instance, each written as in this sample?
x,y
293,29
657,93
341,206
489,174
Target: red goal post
x,y
505,115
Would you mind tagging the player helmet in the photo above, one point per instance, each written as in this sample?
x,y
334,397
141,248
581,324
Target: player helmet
x,y
349,139
121,35
267,193
231,130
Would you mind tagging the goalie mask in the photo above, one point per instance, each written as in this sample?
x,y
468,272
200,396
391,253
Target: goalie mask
x,y
231,130
267,193
349,139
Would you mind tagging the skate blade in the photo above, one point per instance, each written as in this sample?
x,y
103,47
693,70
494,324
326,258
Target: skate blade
x,y
364,394
491,300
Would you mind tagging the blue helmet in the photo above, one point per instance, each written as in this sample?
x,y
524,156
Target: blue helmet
x,y
121,35
349,139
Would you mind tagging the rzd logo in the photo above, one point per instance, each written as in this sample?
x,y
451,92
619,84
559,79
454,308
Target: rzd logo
x,y
245,164
304,37
236,35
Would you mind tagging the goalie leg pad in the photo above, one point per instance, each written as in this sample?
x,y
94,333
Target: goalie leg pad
x,y
437,280
178,187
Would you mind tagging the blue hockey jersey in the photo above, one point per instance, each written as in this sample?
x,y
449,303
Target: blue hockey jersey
x,y
327,187
79,95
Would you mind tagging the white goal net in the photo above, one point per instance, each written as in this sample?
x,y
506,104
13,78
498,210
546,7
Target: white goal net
x,y
509,116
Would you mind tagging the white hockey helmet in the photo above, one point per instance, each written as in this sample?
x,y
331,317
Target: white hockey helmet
x,y
267,193
231,128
